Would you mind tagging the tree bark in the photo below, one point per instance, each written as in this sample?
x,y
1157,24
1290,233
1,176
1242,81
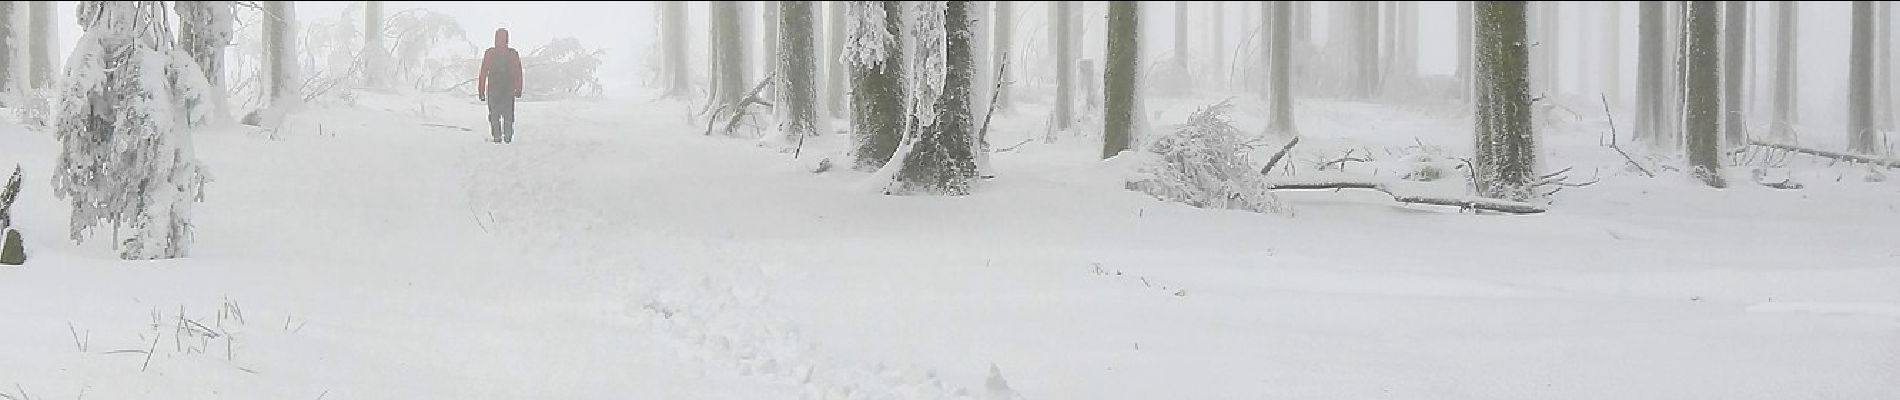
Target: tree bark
x,y
281,48
42,37
1862,138
1280,70
1506,154
1782,117
1702,91
1463,73
940,162
877,90
1060,13
1001,44
1121,76
797,97
1650,67
729,58
1734,62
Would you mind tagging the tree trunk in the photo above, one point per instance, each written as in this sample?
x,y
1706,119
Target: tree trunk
x,y
1650,67
1216,40
1001,45
729,54
1702,91
1861,136
940,161
44,57
1280,70
11,83
1677,78
1607,52
1782,117
1122,74
1181,52
376,56
877,86
1367,49
1506,154
1734,61
1883,66
797,98
768,41
1060,12
834,66
674,40
280,36
1303,22
1463,39
1264,56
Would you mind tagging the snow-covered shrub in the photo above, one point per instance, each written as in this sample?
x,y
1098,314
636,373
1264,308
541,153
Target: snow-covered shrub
x,y
130,103
429,46
560,69
1204,164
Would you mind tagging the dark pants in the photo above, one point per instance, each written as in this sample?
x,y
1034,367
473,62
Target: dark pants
x,y
501,117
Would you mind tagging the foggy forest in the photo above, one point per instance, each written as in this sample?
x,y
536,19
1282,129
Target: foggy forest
x,y
986,200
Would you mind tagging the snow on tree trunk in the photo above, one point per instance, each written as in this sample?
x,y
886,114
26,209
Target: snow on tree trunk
x,y
1862,137
674,39
375,53
1001,45
835,92
939,159
1610,39
1280,69
1506,155
1650,67
42,32
280,38
1734,61
126,162
1121,77
797,100
1782,117
1464,50
1702,91
877,87
1061,13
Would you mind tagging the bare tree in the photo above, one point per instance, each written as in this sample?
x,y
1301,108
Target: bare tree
x,y
1506,154
1862,136
1702,91
1734,61
1122,75
1280,69
834,63
1650,67
1061,12
674,41
1781,126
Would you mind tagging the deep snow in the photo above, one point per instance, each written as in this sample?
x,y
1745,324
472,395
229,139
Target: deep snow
x,y
613,251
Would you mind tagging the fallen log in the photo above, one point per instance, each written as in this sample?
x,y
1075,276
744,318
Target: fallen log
x,y
1828,154
1466,203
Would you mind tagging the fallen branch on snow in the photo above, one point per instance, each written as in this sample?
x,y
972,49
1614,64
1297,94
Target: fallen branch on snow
x,y
1472,203
1828,154
740,106
1278,155
1613,146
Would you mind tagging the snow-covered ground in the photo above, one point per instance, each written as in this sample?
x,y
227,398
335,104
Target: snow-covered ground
x,y
377,251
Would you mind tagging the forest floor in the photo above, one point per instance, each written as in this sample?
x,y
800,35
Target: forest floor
x,y
381,251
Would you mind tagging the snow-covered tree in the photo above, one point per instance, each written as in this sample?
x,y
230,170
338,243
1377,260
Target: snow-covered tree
x,y
676,77
1862,136
1782,115
280,49
1702,93
939,158
1280,70
797,77
876,60
205,28
1735,56
1506,159
125,129
1122,77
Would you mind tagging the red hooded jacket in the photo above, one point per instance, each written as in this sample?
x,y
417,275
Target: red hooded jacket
x,y
489,56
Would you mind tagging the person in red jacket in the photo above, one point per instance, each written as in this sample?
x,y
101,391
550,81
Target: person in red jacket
x,y
503,64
